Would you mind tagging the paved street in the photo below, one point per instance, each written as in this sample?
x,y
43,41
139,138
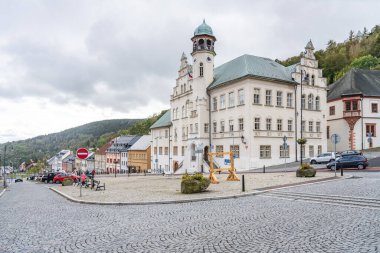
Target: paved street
x,y
34,219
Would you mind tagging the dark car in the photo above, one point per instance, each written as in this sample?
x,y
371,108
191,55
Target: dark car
x,y
350,152
18,180
349,161
48,177
31,178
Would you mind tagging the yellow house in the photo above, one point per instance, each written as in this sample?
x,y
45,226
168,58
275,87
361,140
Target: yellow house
x,y
139,155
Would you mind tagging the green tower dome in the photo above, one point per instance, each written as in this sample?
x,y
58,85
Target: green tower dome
x,y
203,29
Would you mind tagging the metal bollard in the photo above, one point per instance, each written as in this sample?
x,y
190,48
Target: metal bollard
x,y
242,183
264,169
341,171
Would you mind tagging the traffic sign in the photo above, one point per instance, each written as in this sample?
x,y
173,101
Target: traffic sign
x,y
227,161
335,138
284,138
82,153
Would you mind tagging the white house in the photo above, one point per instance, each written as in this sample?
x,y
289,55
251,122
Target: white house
x,y
55,162
245,106
353,103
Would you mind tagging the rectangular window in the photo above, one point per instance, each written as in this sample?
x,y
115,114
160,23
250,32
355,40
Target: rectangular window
x,y
279,98
183,151
284,153
231,99
279,125
303,126
311,151
231,125
328,132
257,123
214,126
348,105
268,97
290,125
206,127
235,150
241,97
265,151
214,104
374,107
355,105
370,128
318,127
166,150
319,149
222,101
310,126
155,152
196,127
160,150
269,124
219,149
241,124
289,100
175,150
222,126
256,96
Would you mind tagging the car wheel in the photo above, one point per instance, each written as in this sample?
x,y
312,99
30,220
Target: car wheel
x,y
360,166
332,167
313,162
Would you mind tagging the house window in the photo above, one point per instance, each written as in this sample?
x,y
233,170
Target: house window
x,y
265,151
289,99
219,149
206,127
318,127
332,110
311,150
183,151
257,123
348,105
310,126
268,97
290,125
374,107
370,128
214,126
269,124
175,150
303,101
317,103
319,149
155,152
231,125
166,150
328,132
256,96
201,69
231,99
279,98
235,150
284,153
312,80
310,100
241,97
241,124
222,101
279,125
222,126
214,104
160,150
303,126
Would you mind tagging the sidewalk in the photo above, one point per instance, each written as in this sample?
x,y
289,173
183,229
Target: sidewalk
x,y
137,190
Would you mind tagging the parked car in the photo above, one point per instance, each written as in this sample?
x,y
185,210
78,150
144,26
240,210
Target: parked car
x,y
31,177
351,152
349,161
18,180
48,177
62,176
323,158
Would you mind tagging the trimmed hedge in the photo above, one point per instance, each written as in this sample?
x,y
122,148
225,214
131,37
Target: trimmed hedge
x,y
194,183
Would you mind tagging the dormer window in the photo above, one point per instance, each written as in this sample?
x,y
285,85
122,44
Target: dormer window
x,y
201,69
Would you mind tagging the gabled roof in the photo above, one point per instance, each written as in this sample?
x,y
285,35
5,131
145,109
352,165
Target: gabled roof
x,y
356,82
142,144
250,66
123,143
164,121
102,150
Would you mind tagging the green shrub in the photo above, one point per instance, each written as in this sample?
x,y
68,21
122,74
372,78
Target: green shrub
x,y
67,181
306,171
194,183
301,141
306,166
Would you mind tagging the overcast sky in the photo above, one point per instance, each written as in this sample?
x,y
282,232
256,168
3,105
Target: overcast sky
x,y
67,63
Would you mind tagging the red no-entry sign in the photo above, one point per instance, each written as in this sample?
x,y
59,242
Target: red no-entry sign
x,y
82,153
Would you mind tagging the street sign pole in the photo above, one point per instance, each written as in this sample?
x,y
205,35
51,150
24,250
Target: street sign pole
x,y
335,156
335,138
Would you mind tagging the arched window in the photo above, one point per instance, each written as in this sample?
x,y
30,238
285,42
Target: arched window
x,y
317,103
201,69
208,42
303,101
201,44
312,80
310,101
307,78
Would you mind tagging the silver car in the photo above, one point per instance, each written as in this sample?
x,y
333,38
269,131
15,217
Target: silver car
x,y
323,158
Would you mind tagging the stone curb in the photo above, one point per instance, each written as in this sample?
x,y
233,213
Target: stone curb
x,y
2,192
190,200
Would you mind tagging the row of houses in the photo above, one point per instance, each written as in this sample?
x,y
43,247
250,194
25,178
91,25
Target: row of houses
x,y
122,154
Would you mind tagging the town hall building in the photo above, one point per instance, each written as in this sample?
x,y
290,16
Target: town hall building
x,y
245,106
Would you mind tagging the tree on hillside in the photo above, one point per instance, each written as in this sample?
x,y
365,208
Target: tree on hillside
x,y
364,62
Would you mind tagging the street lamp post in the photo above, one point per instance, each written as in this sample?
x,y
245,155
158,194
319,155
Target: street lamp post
x,y
302,105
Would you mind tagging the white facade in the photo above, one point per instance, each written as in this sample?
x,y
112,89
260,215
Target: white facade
x,y
56,161
235,107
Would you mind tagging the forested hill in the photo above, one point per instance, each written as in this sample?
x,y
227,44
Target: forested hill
x,y
360,50
45,146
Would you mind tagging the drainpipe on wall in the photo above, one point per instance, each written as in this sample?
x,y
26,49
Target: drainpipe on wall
x,y
209,119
